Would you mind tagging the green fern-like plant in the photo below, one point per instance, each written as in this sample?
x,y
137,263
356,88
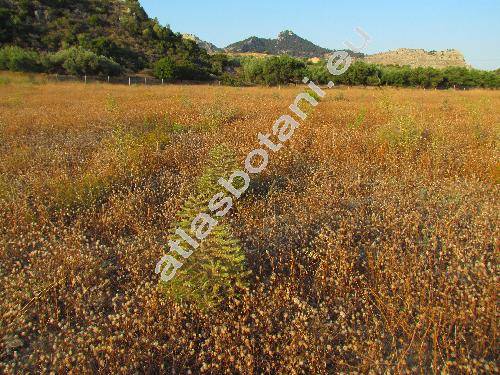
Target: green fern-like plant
x,y
217,268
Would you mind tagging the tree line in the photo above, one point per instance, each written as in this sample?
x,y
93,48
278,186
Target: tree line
x,y
188,63
285,69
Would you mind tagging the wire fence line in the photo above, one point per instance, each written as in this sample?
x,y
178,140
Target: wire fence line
x,y
151,81
126,80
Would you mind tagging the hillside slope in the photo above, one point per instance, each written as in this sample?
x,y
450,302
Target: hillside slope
x,y
120,29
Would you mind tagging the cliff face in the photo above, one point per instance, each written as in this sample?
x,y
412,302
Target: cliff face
x,y
419,57
209,47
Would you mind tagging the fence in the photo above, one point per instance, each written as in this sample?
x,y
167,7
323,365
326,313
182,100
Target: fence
x,y
130,80
140,80
151,81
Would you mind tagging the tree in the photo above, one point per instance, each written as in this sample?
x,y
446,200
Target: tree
x,y
282,70
273,70
165,69
318,73
396,76
219,62
361,73
253,70
6,27
19,60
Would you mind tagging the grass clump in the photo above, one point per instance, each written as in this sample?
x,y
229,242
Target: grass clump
x,y
340,97
5,188
4,80
314,95
218,115
359,120
124,156
401,132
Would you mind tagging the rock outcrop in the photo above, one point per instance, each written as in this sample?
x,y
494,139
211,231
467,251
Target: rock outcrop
x,y
209,47
419,57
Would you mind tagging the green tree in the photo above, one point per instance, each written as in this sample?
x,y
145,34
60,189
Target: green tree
x,y
318,72
165,69
253,70
19,60
219,62
273,70
282,70
6,26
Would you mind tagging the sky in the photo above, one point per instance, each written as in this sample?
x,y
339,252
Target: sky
x,y
473,27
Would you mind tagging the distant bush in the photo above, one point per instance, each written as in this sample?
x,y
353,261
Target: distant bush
x,y
232,79
274,70
170,69
104,46
19,60
219,63
78,61
165,69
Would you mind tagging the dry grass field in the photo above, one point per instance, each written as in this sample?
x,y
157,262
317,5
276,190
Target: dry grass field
x,y
372,237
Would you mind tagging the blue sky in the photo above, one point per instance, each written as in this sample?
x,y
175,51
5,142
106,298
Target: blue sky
x,y
472,27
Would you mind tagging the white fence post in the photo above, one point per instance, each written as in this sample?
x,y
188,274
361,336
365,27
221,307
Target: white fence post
x,y
108,79
145,80
85,79
162,81
129,82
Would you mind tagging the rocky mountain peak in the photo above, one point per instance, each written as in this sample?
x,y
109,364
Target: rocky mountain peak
x,y
286,34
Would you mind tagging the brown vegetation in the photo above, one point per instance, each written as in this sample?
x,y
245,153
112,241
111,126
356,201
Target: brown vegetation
x,y
372,237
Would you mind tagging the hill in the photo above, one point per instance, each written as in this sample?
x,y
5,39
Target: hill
x,y
419,58
119,29
287,43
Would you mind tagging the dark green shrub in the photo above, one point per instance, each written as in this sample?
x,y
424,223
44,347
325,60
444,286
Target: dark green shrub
x,y
78,61
19,60
170,69
165,69
273,71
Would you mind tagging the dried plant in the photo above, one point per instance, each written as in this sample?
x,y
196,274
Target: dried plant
x,y
373,247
